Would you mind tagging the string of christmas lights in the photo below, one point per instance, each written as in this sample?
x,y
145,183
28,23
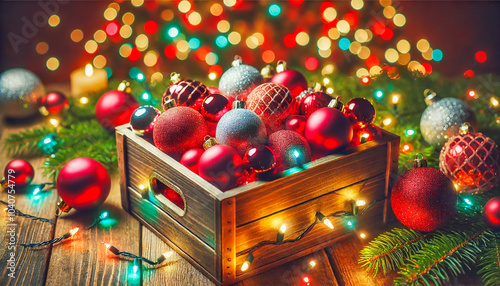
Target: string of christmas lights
x,y
117,252
69,234
32,217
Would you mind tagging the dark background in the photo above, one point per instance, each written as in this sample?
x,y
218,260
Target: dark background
x,y
458,28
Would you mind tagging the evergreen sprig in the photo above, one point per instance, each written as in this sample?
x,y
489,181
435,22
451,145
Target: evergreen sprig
x,y
25,143
489,263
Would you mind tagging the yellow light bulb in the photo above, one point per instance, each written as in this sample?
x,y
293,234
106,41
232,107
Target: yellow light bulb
x,y
312,263
168,254
245,266
283,228
387,121
89,71
360,203
362,235
84,100
395,98
328,223
74,230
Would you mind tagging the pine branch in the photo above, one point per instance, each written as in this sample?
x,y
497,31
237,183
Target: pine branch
x,y
489,263
25,143
389,250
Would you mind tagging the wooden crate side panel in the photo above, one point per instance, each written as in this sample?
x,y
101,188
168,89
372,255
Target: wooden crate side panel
x,y
392,175
228,237
320,237
200,206
180,237
310,183
121,150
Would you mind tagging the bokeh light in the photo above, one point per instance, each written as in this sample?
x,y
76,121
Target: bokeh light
x,y
42,48
274,10
52,63
54,20
76,35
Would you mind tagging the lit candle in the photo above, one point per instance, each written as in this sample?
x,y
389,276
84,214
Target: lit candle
x,y
85,80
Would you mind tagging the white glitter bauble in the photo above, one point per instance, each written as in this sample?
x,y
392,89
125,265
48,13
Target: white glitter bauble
x,y
20,90
443,117
239,80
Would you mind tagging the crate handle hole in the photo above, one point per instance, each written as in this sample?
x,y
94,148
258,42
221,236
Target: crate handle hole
x,y
167,193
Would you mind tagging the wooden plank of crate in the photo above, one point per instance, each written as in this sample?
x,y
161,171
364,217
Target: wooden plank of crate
x,y
228,240
84,259
121,150
293,273
392,174
174,271
310,183
30,265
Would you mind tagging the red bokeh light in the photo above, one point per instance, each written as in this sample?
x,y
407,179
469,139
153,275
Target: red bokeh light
x,y
150,27
427,67
387,34
112,28
170,51
472,93
135,54
372,61
216,69
311,63
289,41
481,56
378,28
469,74
365,80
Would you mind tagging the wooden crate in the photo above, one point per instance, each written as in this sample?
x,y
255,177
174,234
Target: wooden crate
x,y
215,229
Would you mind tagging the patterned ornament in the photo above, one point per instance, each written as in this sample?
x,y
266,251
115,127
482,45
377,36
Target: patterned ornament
x,y
273,103
53,103
186,92
491,213
471,160
241,129
291,79
20,91
360,111
214,106
143,119
443,118
423,198
239,80
312,100
290,149
18,174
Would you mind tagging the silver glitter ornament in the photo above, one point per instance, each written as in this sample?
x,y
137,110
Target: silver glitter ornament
x,y
20,90
239,80
443,117
241,129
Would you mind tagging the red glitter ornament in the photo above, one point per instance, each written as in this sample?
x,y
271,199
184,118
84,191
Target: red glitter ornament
x,y
491,213
290,149
191,158
214,106
291,79
83,183
18,173
273,103
186,92
423,198
115,108
471,160
367,134
360,111
221,165
296,123
179,129
53,103
312,101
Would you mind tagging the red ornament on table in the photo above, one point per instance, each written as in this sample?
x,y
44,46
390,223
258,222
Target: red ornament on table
x,y
291,79
360,111
53,103
83,183
471,160
114,108
296,123
290,149
313,100
179,129
367,134
186,92
214,106
423,198
328,130
491,213
191,158
260,160
273,103
18,173
221,165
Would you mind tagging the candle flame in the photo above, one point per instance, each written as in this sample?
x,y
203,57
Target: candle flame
x,y
89,71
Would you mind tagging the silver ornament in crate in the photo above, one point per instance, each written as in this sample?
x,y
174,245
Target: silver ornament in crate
x,y
239,80
20,91
443,117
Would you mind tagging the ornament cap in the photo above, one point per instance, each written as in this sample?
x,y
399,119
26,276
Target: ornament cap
x,y
419,162
336,103
4,183
124,86
237,61
281,66
430,96
62,207
175,77
169,103
209,142
238,104
318,87
465,129
268,71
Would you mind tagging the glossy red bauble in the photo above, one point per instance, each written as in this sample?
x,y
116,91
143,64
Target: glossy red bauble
x,y
213,90
290,149
328,131
360,111
424,199
214,106
313,101
187,92
292,79
367,134
53,103
115,108
179,129
19,174
260,159
83,183
296,123
491,213
191,158
221,165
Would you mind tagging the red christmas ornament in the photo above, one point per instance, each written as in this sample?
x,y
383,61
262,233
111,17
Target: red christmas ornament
x,y
360,111
179,129
291,79
260,160
290,149
296,123
190,159
273,103
53,103
221,165
213,90
328,130
367,134
115,108
423,198
471,160
312,101
491,213
83,183
186,92
214,106
18,173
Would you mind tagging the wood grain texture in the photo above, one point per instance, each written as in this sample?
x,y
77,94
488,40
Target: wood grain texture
x,y
392,175
121,150
228,237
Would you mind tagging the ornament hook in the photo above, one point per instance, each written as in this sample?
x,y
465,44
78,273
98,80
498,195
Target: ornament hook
x,y
62,207
209,142
281,66
237,61
465,129
430,96
175,77
419,162
336,103
124,86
